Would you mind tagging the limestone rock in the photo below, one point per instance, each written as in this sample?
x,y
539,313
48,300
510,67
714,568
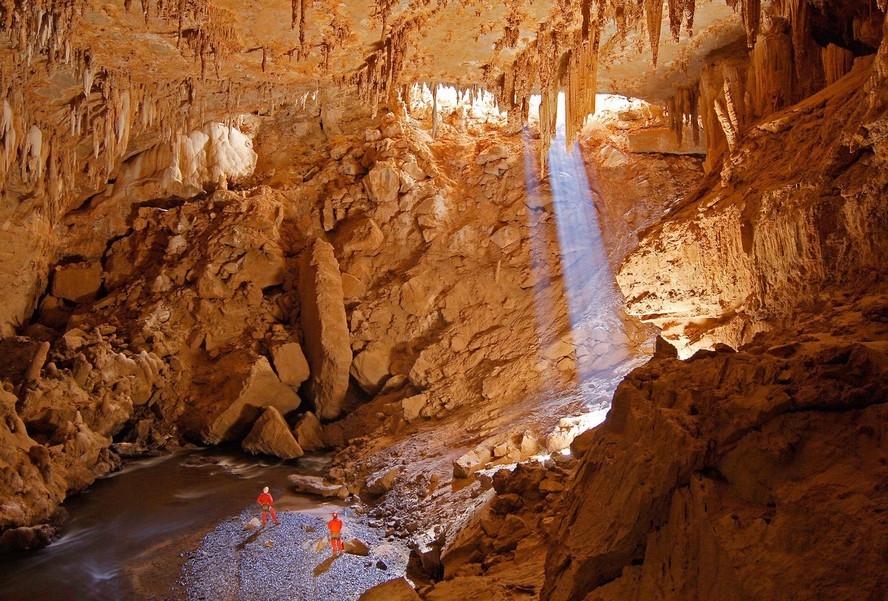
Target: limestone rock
x,y
371,368
413,406
26,538
326,331
736,453
382,482
393,590
309,432
356,546
315,485
472,461
506,236
382,184
360,236
492,153
271,436
77,282
352,287
244,397
290,364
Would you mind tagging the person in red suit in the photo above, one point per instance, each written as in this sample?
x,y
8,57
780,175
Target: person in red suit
x,y
266,501
335,527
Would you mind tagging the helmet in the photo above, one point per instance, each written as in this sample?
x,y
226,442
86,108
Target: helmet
x,y
335,515
265,489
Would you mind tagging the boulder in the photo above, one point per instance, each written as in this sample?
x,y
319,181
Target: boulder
x,y
371,368
382,184
506,236
242,398
356,546
352,288
26,538
327,343
309,432
381,482
271,436
263,266
77,282
23,358
393,590
492,153
418,295
315,485
361,236
290,364
761,468
413,406
472,461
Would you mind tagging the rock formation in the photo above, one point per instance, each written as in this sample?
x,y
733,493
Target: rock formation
x,y
323,321
751,474
271,436
291,232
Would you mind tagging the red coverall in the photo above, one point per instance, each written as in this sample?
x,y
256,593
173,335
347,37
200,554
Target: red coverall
x,y
335,526
266,501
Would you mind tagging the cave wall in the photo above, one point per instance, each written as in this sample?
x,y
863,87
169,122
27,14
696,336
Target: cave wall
x,y
754,473
175,307
798,208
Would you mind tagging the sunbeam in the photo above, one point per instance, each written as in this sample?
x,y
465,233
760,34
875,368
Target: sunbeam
x,y
592,302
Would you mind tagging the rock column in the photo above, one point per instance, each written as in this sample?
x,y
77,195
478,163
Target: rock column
x,y
323,320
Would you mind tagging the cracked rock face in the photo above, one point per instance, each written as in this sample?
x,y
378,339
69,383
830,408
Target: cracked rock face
x,y
750,473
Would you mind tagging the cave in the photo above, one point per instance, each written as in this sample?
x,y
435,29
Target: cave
x,y
570,301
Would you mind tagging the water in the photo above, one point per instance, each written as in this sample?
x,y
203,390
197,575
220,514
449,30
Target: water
x,y
126,529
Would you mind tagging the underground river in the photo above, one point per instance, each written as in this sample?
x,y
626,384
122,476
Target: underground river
x,y
128,534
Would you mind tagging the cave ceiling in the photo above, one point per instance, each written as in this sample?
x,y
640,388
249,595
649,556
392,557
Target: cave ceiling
x,y
265,48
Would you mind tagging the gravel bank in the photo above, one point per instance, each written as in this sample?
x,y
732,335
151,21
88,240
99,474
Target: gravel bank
x,y
289,562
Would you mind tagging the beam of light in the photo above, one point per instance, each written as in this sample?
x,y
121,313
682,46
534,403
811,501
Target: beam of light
x,y
542,270
593,305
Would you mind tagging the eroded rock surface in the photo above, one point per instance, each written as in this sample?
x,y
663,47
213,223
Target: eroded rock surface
x,y
751,474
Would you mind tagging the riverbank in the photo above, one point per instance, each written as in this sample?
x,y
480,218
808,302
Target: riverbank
x,y
129,535
292,560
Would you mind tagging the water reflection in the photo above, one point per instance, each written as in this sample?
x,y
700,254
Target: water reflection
x,y
121,524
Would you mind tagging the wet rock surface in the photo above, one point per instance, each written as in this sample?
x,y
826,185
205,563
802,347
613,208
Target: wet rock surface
x,y
290,561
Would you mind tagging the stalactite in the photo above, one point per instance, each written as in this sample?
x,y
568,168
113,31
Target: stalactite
x,y
434,111
654,11
806,52
581,85
676,12
770,79
689,9
751,12
684,110
730,107
837,62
